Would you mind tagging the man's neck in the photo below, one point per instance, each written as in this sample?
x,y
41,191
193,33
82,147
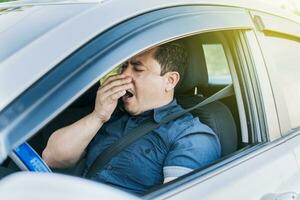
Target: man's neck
x,y
160,105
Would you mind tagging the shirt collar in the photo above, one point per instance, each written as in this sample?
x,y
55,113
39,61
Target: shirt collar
x,y
162,112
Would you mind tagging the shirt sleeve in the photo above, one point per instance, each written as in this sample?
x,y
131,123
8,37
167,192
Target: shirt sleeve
x,y
191,152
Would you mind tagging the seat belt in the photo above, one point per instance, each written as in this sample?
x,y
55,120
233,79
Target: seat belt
x,y
145,128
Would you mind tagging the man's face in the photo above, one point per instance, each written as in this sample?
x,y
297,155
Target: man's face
x,y
149,87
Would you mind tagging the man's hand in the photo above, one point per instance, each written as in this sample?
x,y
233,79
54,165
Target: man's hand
x,y
67,145
108,94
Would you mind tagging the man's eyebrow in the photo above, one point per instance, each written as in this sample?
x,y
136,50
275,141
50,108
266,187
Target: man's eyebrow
x,y
135,62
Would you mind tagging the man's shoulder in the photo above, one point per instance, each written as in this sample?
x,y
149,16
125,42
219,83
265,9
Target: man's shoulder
x,y
190,125
182,127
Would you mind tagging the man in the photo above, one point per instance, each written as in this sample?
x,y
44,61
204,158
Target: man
x,y
144,89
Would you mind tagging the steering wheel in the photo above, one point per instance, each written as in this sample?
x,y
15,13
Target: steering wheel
x,y
28,159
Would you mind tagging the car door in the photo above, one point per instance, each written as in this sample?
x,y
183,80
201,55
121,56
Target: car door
x,y
279,39
248,173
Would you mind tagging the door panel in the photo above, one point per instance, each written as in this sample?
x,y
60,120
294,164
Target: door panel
x,y
250,178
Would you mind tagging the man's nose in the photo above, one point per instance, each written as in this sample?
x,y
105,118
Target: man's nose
x,y
127,71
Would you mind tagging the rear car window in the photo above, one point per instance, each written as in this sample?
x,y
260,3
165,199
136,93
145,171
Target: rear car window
x,y
217,66
285,68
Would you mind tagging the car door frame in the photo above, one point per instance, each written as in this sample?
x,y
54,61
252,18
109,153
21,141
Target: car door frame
x,y
290,28
53,92
47,97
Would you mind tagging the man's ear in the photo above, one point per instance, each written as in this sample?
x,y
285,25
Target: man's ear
x,y
172,78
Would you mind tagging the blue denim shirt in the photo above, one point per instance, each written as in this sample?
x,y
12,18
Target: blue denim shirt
x,y
171,150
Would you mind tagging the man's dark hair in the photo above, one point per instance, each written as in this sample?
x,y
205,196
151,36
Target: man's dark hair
x,y
172,57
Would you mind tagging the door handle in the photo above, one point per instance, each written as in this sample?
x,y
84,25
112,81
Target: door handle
x,y
282,196
287,196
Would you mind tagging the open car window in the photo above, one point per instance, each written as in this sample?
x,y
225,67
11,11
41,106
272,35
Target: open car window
x,y
222,116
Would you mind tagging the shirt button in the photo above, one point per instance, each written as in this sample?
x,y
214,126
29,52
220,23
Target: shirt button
x,y
147,151
109,167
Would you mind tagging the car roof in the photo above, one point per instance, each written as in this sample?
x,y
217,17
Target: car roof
x,y
56,28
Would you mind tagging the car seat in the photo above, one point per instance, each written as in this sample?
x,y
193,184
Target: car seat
x,y
216,114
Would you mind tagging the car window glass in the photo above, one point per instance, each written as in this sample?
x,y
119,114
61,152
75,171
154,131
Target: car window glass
x,y
217,66
286,70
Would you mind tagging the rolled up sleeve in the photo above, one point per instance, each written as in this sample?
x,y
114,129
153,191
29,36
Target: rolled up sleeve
x,y
191,152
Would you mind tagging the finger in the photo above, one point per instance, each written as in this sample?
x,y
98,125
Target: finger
x,y
116,83
117,95
116,89
107,82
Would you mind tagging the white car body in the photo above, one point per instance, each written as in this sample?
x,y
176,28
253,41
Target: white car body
x,y
39,38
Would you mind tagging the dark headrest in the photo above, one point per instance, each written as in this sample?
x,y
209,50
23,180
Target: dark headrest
x,y
88,98
196,72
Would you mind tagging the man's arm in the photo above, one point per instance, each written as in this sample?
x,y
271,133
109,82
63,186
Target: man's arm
x,y
66,145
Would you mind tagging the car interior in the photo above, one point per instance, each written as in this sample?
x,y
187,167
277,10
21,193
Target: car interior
x,y
222,115
216,115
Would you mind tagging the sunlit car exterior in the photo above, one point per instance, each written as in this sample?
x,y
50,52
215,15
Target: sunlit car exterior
x,y
52,52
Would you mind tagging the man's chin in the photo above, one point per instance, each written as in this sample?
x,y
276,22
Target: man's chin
x,y
131,110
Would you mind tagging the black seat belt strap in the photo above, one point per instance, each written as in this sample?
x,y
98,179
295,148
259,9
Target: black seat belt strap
x,y
145,128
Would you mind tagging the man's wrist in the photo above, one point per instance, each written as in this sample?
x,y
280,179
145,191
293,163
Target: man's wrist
x,y
96,117
93,122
